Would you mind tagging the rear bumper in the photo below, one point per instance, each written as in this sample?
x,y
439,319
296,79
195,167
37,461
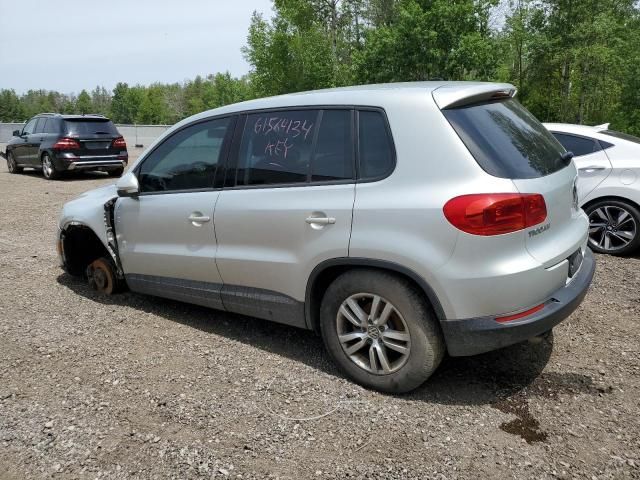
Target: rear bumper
x,y
96,165
478,335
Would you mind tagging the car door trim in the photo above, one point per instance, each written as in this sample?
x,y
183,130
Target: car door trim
x,y
254,302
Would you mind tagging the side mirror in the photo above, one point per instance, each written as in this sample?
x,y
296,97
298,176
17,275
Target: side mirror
x,y
128,185
16,133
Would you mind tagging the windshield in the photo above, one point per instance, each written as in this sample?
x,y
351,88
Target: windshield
x,y
506,140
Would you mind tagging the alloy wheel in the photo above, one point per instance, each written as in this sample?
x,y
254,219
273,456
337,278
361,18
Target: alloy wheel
x,y
11,163
373,333
611,227
47,167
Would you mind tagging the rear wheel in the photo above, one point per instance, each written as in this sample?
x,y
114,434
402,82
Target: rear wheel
x,y
12,166
614,227
378,328
116,173
48,168
101,275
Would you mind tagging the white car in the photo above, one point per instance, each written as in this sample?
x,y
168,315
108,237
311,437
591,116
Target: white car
x,y
608,165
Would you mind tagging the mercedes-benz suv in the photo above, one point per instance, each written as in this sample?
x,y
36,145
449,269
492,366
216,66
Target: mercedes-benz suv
x,y
399,221
59,143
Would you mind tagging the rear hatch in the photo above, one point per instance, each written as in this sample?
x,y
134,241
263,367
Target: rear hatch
x,y
507,141
95,135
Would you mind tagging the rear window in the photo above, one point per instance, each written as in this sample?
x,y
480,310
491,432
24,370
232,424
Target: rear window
x,y
506,140
577,145
90,127
623,136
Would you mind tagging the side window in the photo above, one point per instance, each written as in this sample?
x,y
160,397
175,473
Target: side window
x,y
52,126
333,153
578,145
187,160
44,128
276,147
29,127
374,145
40,125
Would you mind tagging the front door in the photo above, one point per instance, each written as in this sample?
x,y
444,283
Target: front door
x,y
289,208
23,149
166,237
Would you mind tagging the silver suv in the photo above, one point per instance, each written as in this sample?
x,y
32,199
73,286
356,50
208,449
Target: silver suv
x,y
400,221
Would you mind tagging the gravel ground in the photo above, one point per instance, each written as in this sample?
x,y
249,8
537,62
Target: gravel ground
x,y
132,386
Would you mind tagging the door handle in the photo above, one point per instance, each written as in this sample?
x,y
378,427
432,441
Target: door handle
x,y
591,169
198,218
320,220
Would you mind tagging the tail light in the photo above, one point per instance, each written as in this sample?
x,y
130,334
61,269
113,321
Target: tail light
x,y
119,143
495,213
66,144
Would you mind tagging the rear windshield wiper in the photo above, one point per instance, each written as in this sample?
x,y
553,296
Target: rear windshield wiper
x,y
98,133
566,157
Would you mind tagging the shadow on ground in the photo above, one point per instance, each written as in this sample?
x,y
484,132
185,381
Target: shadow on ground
x,y
487,379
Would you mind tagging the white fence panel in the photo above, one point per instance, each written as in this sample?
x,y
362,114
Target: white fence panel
x,y
133,134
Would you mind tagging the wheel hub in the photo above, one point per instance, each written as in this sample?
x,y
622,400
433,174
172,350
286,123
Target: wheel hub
x,y
100,278
373,334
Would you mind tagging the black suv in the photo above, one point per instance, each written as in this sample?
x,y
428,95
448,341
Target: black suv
x,y
59,143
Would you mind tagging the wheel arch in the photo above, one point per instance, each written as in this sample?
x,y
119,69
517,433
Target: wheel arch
x,y
611,197
79,246
327,271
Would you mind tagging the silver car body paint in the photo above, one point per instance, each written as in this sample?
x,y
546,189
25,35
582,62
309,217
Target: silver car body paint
x,y
259,238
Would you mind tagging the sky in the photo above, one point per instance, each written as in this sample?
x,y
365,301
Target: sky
x,y
70,45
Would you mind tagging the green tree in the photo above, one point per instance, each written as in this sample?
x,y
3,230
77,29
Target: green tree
x,y
84,104
153,109
11,109
430,39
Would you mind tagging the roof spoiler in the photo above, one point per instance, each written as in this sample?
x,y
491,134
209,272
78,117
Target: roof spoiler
x,y
604,126
457,95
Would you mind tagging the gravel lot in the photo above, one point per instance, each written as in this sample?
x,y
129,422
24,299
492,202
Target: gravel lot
x,y
138,387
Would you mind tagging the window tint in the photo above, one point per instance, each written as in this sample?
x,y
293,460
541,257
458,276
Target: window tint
x,y
40,125
506,140
186,160
578,145
29,127
333,152
51,126
276,147
376,151
623,136
82,126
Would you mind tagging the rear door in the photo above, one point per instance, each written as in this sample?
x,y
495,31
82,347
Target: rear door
x,y
509,142
591,161
166,237
288,207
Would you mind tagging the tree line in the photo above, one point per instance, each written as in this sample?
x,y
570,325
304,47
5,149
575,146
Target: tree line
x,y
574,61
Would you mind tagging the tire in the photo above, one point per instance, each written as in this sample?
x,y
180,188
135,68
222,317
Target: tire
x,y
410,314
12,166
116,173
48,168
614,227
101,275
